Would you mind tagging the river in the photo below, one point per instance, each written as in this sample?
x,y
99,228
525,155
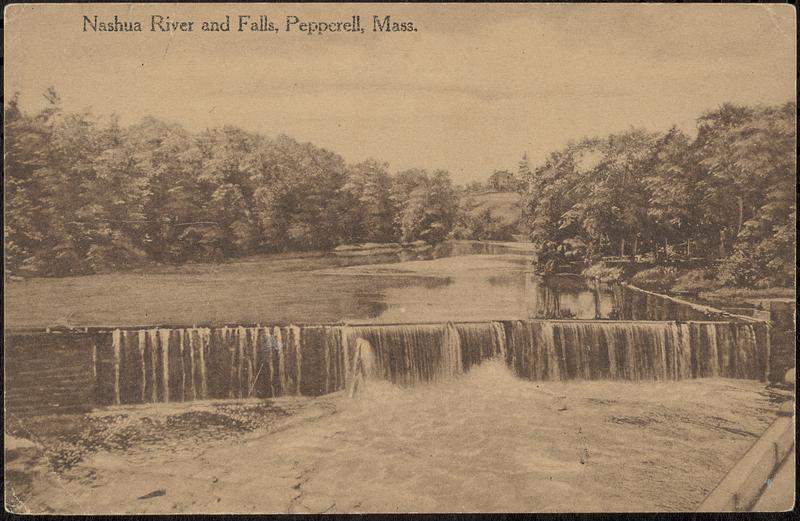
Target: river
x,y
456,281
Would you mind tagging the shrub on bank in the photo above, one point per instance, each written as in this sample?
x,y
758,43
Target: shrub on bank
x,y
603,273
660,278
695,280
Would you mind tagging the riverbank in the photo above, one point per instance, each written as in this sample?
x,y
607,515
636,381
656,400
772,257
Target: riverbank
x,y
483,442
694,284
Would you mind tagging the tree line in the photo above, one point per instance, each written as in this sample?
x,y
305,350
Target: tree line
x,y
727,195
85,195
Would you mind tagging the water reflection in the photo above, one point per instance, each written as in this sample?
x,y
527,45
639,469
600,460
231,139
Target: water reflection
x,y
502,280
374,308
457,284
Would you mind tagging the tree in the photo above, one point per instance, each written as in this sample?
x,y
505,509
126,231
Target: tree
x,y
175,193
372,212
299,196
428,205
440,208
731,191
524,173
482,226
728,194
674,199
762,163
116,199
408,196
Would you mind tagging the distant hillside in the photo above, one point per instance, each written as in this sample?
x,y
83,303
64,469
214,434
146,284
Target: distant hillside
x,y
505,205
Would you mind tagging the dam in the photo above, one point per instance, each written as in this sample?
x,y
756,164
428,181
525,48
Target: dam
x,y
129,366
431,317
157,365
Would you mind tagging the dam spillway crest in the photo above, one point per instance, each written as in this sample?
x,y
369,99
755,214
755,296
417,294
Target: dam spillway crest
x,y
131,366
655,339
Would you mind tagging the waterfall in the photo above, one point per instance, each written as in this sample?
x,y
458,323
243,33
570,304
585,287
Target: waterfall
x,y
298,358
283,382
404,355
202,346
532,350
477,342
411,354
551,350
451,360
164,343
116,343
499,339
162,364
364,366
185,390
268,348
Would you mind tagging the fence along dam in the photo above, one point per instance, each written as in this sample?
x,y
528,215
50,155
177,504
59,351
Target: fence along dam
x,y
74,370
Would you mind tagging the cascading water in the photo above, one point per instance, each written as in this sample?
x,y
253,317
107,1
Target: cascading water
x,y
410,354
196,363
551,350
364,366
404,355
240,362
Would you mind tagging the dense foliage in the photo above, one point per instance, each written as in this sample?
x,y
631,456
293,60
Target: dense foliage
x,y
726,195
83,195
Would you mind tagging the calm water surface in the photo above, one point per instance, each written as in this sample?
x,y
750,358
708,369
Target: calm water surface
x,y
458,281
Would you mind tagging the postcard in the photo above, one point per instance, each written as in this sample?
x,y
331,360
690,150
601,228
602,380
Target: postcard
x,y
399,258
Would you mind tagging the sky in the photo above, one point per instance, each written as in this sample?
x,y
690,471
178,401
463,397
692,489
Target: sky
x,y
471,91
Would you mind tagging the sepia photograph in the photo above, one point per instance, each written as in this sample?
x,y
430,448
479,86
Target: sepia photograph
x,y
354,258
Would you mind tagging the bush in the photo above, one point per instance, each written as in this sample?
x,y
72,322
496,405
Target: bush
x,y
739,269
695,280
484,227
659,278
755,267
603,272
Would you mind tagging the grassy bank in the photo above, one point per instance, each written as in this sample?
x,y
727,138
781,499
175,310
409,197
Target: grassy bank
x,y
747,296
